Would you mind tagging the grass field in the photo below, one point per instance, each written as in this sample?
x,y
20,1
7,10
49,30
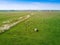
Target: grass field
x,y
47,23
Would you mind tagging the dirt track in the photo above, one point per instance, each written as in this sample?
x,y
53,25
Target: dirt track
x,y
8,26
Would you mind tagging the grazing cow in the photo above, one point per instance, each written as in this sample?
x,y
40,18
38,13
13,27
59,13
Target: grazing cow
x,y
36,30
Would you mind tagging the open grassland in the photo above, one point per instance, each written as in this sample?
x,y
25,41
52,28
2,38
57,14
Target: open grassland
x,y
5,16
48,24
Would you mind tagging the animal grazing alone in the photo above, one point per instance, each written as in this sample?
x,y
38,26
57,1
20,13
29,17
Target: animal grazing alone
x,y
36,30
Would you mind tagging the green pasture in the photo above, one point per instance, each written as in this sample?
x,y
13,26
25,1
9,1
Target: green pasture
x,y
47,23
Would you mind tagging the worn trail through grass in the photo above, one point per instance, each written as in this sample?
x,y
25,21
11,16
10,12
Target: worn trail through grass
x,y
8,26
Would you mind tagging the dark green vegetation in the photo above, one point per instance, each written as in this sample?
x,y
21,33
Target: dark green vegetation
x,y
48,24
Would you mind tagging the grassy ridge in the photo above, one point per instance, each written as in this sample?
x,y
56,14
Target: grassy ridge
x,y
48,24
